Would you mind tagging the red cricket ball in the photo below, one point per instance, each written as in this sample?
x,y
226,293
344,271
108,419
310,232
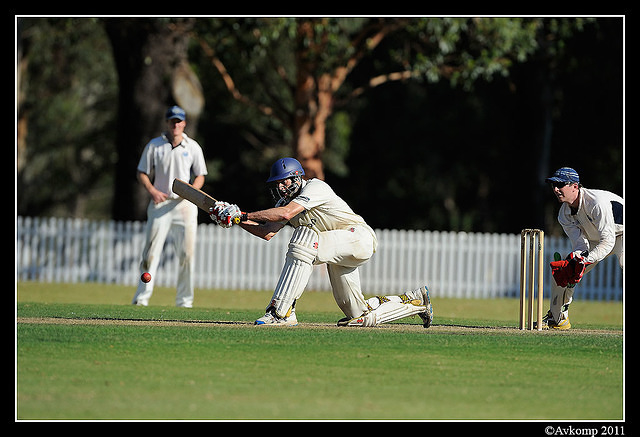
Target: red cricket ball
x,y
146,277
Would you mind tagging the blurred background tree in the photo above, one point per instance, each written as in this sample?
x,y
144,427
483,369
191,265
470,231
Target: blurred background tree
x,y
67,106
150,55
360,101
295,70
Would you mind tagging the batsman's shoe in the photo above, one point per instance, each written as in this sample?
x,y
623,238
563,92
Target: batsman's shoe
x,y
271,319
427,316
344,321
364,320
420,296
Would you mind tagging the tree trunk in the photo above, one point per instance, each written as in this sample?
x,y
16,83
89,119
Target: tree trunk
x,y
313,103
146,53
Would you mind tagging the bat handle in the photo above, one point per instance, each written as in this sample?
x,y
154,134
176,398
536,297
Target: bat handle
x,y
242,218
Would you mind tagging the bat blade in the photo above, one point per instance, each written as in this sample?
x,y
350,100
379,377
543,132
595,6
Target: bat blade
x,y
198,197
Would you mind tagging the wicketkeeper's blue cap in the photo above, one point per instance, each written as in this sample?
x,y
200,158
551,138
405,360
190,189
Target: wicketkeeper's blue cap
x,y
566,175
175,112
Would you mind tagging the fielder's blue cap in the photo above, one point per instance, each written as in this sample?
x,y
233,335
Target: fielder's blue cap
x,y
566,175
175,112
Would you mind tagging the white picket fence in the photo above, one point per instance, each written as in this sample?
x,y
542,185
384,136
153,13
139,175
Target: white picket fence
x,y
452,264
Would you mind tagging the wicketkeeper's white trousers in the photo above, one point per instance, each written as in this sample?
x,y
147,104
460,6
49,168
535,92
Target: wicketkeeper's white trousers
x,y
179,217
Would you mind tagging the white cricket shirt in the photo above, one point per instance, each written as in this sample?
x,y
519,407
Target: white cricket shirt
x,y
167,163
596,223
324,209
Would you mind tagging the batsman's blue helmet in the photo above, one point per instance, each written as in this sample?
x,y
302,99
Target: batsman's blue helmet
x,y
285,168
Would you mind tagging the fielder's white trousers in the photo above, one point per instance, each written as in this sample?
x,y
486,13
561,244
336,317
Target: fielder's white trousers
x,y
179,217
561,297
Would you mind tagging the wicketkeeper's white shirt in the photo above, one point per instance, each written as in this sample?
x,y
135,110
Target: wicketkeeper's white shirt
x,y
167,163
595,225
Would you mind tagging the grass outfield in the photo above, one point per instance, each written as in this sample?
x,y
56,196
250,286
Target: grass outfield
x,y
84,353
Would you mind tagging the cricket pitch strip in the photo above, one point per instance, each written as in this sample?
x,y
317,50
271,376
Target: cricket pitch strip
x,y
405,327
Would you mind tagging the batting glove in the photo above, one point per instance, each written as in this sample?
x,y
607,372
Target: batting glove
x,y
230,216
226,215
215,212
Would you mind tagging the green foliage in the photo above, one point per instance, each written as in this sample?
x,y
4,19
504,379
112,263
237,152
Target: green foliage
x,y
454,138
269,57
70,99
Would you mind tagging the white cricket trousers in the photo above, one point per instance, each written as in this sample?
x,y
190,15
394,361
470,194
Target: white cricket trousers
x,y
179,217
344,251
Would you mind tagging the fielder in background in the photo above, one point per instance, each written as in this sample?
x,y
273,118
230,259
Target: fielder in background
x,y
592,219
326,231
165,158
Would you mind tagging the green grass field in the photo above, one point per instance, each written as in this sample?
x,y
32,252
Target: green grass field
x,y
84,353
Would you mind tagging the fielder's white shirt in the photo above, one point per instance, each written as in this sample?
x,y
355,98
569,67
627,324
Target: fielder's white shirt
x,y
596,223
167,163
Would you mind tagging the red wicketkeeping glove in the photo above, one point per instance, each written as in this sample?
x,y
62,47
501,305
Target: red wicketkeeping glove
x,y
569,271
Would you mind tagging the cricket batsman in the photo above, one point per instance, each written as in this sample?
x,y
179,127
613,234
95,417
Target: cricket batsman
x,y
326,231
592,219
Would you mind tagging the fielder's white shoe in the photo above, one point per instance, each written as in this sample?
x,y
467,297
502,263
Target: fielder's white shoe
x,y
271,319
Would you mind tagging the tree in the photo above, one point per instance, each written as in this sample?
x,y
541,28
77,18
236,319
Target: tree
x,y
153,71
300,65
66,105
450,146
477,161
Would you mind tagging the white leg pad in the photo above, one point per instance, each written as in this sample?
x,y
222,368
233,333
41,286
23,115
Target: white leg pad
x,y
561,297
387,312
298,266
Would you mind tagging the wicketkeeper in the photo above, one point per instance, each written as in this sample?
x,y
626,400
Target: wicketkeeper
x,y
326,231
592,219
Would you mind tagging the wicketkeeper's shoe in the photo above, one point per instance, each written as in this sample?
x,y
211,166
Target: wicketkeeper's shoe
x,y
549,323
271,319
545,321
422,295
562,324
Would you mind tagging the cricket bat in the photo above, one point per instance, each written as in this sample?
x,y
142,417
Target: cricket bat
x,y
198,197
